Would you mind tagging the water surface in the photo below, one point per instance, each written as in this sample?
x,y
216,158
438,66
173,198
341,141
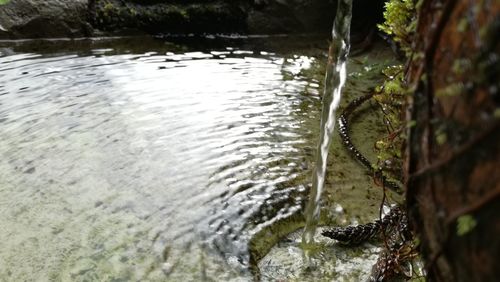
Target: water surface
x,y
140,159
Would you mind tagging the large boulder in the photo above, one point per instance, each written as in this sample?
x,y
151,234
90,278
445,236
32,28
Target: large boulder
x,y
169,16
316,16
47,18
290,16
215,16
75,18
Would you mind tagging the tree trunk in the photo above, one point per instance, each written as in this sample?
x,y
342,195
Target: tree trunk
x,y
453,153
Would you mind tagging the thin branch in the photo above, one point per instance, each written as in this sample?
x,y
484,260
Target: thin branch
x,y
460,151
454,216
443,20
474,206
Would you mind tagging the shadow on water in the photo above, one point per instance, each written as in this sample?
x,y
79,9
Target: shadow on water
x,y
165,159
307,44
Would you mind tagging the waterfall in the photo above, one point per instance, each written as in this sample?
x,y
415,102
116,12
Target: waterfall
x,y
334,82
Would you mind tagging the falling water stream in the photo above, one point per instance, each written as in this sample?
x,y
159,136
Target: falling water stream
x,y
334,82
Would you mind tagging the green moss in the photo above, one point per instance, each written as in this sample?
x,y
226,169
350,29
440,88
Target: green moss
x,y
441,138
108,7
450,90
497,113
463,25
391,97
264,240
461,65
465,224
400,22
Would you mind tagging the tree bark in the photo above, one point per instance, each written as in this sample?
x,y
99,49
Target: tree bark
x,y
452,154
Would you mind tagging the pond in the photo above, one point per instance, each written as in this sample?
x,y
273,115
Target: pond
x,y
168,159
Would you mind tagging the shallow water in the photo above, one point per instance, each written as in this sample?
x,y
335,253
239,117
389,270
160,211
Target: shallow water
x,y
138,159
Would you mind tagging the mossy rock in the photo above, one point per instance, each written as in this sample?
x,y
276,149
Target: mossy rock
x,y
165,17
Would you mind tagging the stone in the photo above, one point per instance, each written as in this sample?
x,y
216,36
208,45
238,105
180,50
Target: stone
x,y
48,18
80,18
290,16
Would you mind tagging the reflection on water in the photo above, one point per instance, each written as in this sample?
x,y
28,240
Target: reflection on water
x,y
132,166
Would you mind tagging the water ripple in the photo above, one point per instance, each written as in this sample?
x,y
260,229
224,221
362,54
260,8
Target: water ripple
x,y
113,153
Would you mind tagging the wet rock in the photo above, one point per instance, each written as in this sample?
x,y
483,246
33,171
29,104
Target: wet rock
x,y
290,16
156,16
213,16
30,170
48,18
60,18
331,262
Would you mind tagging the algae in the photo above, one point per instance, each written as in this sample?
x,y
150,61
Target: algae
x,y
350,196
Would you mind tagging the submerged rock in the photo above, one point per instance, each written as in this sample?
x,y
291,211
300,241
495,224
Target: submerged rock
x,y
48,18
331,262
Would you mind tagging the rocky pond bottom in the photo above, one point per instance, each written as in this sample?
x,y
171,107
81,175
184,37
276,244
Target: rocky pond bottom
x,y
187,159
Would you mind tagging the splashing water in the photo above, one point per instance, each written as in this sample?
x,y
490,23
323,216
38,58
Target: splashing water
x,y
334,82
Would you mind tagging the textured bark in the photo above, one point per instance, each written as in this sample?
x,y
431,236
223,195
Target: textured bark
x,y
453,152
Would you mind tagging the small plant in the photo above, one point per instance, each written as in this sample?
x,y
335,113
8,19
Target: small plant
x,y
391,97
400,22
108,7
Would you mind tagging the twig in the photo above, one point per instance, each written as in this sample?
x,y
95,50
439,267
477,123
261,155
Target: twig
x,y
474,206
381,211
443,20
460,151
454,216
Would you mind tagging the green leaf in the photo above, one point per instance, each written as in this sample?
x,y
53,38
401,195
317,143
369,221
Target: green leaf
x,y
2,2
465,224
496,113
411,123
